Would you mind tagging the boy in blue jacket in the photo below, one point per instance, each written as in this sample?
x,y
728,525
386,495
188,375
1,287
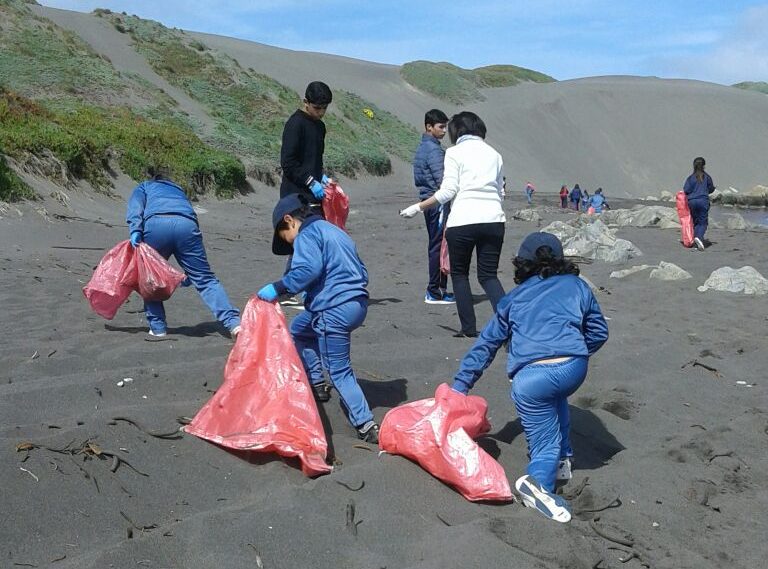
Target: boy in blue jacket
x,y
327,267
160,214
552,324
428,175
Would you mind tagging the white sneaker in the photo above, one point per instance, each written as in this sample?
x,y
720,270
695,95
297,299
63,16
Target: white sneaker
x,y
234,332
699,243
534,496
157,334
564,469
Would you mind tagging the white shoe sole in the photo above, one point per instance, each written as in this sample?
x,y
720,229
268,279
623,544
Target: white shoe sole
x,y
549,505
699,244
436,301
564,470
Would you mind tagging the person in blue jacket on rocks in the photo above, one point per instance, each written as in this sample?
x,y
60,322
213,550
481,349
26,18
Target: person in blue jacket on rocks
x,y
327,267
552,324
160,214
575,197
697,188
428,175
597,202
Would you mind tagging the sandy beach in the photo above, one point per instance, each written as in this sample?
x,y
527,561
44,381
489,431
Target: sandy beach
x,y
678,450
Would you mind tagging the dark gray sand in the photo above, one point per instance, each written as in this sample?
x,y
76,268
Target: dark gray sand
x,y
679,450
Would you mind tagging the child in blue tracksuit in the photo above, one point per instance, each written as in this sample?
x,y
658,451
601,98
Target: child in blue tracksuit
x,y
697,188
160,214
553,324
326,265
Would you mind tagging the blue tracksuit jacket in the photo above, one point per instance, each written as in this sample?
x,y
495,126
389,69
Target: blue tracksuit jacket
x,y
428,165
157,197
542,318
695,190
326,265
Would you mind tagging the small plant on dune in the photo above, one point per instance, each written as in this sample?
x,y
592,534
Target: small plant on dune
x,y
12,188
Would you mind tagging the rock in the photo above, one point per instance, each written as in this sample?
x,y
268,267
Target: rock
x,y
561,230
746,280
592,239
643,216
666,196
630,271
735,221
669,272
650,199
530,215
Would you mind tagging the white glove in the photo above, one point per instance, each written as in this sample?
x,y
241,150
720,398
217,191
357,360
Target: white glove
x,y
410,211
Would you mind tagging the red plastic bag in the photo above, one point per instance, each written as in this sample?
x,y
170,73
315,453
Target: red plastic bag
x,y
336,205
113,281
438,433
686,221
157,278
445,261
265,403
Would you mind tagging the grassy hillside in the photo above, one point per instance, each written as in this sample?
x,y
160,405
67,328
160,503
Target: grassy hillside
x,y
759,86
250,108
60,102
456,85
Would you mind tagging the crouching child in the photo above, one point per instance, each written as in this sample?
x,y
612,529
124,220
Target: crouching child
x,y
553,324
327,267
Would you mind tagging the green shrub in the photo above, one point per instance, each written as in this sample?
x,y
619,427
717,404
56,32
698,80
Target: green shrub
x,y
12,188
759,86
508,75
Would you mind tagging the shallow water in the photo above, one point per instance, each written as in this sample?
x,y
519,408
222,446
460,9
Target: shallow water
x,y
757,215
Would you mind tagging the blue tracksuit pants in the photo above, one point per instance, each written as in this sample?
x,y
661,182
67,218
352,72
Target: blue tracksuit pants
x,y
435,219
179,236
323,341
700,215
540,393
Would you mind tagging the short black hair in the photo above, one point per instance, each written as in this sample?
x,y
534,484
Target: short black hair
x,y
318,93
435,116
546,265
463,123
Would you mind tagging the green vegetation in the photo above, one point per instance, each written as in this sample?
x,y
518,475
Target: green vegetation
x,y
250,108
759,86
456,85
84,137
12,188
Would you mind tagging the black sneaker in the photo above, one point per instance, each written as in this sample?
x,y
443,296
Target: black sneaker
x,y
322,392
369,433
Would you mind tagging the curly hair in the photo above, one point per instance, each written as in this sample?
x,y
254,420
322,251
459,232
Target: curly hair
x,y
546,265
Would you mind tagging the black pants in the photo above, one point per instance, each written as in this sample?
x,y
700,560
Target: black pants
x,y
435,219
488,238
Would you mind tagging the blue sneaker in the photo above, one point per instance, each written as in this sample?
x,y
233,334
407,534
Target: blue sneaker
x,y
445,299
534,496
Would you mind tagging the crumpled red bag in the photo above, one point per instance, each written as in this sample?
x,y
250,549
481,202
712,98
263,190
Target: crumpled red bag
x,y
445,261
265,403
438,433
113,281
336,205
686,221
157,278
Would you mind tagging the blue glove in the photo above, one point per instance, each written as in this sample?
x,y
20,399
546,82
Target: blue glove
x,y
325,179
317,190
136,238
268,293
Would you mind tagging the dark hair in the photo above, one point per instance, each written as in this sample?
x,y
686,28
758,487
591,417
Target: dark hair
x,y
464,123
576,187
299,214
318,93
159,172
599,191
434,116
698,168
546,265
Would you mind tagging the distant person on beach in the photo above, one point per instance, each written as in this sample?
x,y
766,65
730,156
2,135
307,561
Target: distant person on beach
x,y
301,154
584,200
575,197
563,196
697,188
428,175
597,202
327,267
160,214
473,181
552,324
529,189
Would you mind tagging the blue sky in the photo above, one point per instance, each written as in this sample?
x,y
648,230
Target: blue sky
x,y
722,41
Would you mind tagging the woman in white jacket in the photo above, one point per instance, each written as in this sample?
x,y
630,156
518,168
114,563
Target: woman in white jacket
x,y
473,182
